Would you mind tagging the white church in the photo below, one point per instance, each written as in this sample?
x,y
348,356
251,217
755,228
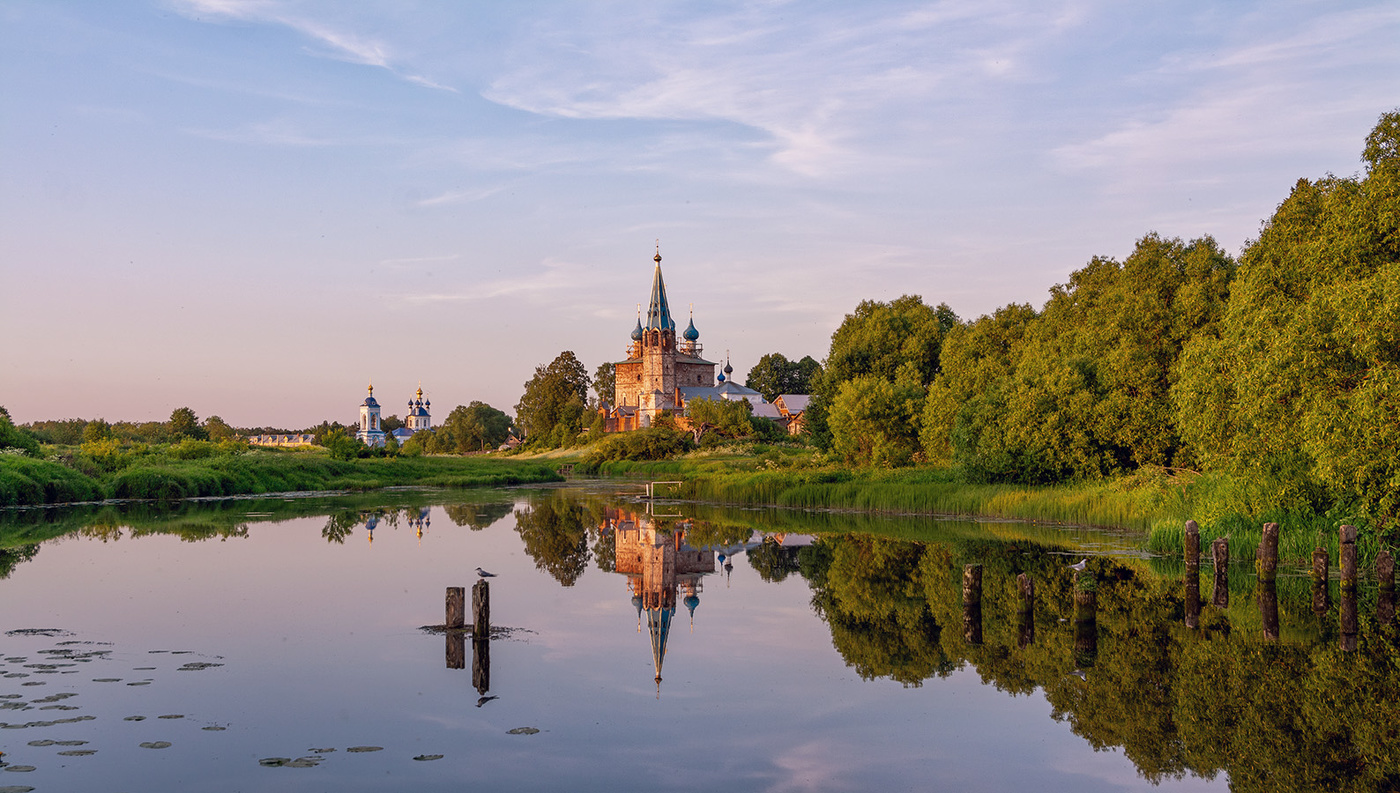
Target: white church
x,y
416,420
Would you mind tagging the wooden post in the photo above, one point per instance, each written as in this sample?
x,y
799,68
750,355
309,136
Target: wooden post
x,y
456,649
1026,586
1347,556
1191,583
1266,557
1321,598
456,608
1193,545
1220,553
481,610
972,603
1268,609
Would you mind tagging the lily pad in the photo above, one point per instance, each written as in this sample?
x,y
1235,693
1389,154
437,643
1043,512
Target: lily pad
x,y
304,762
523,731
34,683
365,749
274,762
134,718
78,752
195,666
140,683
45,742
172,716
322,751
106,680
69,743
60,707
19,768
428,757
214,728
16,789
155,745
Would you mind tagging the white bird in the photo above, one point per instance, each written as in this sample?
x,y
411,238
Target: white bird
x,y
484,574
1079,568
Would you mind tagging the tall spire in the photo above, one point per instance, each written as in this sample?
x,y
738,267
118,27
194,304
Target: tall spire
x,y
658,311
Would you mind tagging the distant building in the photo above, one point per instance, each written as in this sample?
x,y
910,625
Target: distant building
x,y
793,408
370,432
416,420
283,441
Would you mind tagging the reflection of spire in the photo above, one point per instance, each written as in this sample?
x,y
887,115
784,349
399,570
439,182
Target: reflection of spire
x,y
659,626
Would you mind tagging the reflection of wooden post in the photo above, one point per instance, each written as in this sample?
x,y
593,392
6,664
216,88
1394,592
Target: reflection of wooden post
x,y
1385,579
481,610
1192,585
1321,600
456,650
1347,556
1266,556
1220,553
456,607
1193,545
1027,610
481,663
1349,620
1268,609
1086,627
972,603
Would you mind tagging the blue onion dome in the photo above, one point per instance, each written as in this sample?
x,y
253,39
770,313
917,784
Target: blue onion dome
x,y
637,331
691,334
721,377
691,602
637,603
410,404
427,403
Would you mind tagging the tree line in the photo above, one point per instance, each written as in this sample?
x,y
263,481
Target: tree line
x,y
1280,366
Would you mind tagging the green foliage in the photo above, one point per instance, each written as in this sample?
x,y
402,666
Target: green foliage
x,y
552,409
218,430
605,382
723,418
774,374
650,443
1301,386
875,421
341,446
475,427
25,481
62,432
14,440
555,533
185,424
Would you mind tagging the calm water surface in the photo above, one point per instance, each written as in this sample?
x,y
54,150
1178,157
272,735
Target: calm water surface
x,y
277,645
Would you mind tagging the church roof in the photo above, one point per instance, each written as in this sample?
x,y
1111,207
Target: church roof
x,y
659,311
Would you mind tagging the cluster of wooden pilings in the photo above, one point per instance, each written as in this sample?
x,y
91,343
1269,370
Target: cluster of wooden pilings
x,y
480,630
1266,570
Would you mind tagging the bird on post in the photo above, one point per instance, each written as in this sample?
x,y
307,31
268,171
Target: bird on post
x,y
483,574
1079,568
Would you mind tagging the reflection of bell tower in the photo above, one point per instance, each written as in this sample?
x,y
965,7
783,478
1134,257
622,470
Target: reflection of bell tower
x,y
659,566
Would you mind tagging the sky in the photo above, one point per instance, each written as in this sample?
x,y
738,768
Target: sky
x,y
255,208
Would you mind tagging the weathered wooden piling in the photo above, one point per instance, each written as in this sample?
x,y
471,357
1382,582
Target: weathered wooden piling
x,y
1321,598
1266,555
481,610
1026,586
481,664
972,603
1268,609
1220,555
1385,581
1193,545
456,608
1346,553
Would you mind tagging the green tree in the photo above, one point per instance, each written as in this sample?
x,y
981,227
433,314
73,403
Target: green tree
x,y
605,382
552,408
218,430
476,427
726,418
185,424
774,374
390,423
12,437
97,430
875,421
1300,388
555,534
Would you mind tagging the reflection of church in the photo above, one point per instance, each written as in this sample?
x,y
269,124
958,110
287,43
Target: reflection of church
x,y
660,569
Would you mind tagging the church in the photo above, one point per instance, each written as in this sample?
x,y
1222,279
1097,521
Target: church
x,y
663,372
417,419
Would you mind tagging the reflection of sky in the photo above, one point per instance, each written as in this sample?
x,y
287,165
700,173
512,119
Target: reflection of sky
x,y
321,649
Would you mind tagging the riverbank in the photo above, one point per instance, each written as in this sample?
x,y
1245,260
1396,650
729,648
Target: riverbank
x,y
26,481
1156,502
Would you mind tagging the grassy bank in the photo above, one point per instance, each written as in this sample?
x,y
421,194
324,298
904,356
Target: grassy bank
x,y
1155,502
26,482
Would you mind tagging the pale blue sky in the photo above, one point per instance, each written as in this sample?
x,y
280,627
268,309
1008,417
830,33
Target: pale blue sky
x,y
253,208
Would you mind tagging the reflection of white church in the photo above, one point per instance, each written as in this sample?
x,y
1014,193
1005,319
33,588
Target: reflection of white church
x,y
416,420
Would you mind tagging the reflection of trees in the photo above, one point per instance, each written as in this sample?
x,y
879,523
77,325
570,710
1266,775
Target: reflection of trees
x,y
1272,716
10,558
712,534
477,516
340,525
555,533
605,550
772,561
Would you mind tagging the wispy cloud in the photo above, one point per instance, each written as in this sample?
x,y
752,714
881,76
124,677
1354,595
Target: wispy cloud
x,y
331,42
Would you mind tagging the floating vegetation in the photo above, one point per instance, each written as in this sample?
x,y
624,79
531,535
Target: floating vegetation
x,y
15,789
304,762
428,757
69,743
106,680
143,669
172,716
16,674
78,752
33,682
60,707
365,749
321,751
69,720
49,632
195,666
140,683
44,742
522,731
155,745
54,697
134,718
214,728
19,768
274,762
